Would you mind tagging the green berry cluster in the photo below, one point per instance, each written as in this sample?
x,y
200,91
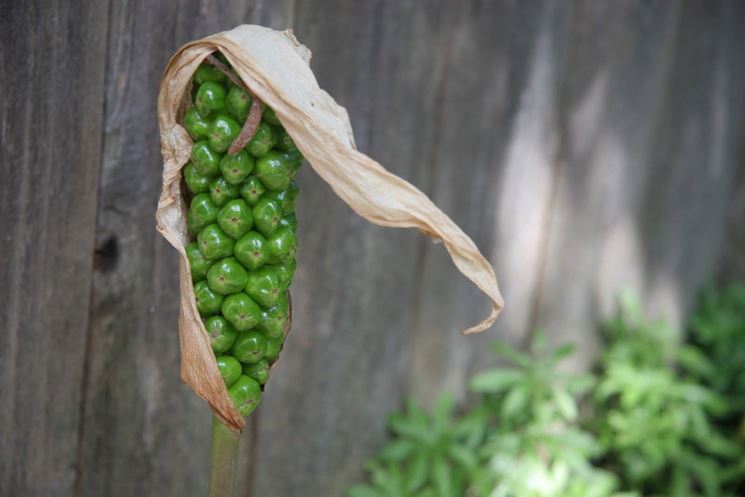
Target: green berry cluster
x,y
241,216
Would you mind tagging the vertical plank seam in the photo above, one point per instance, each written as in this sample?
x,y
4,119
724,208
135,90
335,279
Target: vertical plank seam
x,y
431,181
84,382
557,168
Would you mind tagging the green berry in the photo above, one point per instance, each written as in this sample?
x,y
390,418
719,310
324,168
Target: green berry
x,y
208,302
236,168
289,222
284,142
238,103
214,243
266,214
263,141
286,198
198,264
197,126
286,272
246,394
208,72
202,212
274,321
230,369
273,346
249,347
251,250
210,98
269,116
195,182
275,170
241,311
221,191
252,190
205,160
282,245
259,371
223,130
235,218
264,286
227,276
221,332
296,159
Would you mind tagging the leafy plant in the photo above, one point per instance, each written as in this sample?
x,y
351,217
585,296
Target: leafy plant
x,y
660,418
657,425
433,455
536,448
716,356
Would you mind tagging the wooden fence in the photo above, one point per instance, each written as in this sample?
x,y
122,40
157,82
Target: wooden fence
x,y
585,145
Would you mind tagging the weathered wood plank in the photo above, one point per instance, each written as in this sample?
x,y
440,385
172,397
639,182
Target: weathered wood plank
x,y
50,115
144,432
493,174
342,369
648,164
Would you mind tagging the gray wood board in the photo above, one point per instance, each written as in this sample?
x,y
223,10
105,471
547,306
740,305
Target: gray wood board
x,y
50,115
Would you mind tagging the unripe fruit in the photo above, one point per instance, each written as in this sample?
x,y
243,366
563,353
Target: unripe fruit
x,y
249,347
284,142
201,212
270,117
207,72
275,170
199,265
221,332
210,98
235,218
263,285
263,141
246,394
282,245
258,371
266,214
197,126
230,369
238,103
221,191
236,168
208,302
251,250
214,243
241,311
227,276
195,182
251,190
285,198
205,160
223,130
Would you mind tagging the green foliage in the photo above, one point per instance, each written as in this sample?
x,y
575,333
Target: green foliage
x,y
656,425
433,455
659,419
716,356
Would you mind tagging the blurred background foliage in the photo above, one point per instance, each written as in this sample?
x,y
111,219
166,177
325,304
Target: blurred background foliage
x,y
657,417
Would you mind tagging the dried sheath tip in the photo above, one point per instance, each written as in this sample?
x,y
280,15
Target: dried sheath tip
x,y
249,127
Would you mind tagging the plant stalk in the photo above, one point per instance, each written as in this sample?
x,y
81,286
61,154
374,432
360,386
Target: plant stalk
x,y
224,459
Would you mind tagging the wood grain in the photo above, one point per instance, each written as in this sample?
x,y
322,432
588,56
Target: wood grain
x,y
143,431
341,368
51,142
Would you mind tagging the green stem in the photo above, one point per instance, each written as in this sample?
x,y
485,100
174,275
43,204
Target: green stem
x,y
224,459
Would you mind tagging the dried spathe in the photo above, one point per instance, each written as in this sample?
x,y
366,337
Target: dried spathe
x,y
274,67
